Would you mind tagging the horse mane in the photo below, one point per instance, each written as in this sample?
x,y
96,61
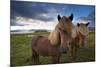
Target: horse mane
x,y
83,30
74,32
54,36
79,29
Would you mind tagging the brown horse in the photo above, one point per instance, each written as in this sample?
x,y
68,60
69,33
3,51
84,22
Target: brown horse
x,y
82,32
77,39
42,45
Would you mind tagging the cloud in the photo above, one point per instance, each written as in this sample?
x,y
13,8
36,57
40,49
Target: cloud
x,y
16,23
36,15
31,10
37,25
90,18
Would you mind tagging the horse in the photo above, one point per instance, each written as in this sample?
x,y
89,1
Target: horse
x,y
50,46
78,38
82,32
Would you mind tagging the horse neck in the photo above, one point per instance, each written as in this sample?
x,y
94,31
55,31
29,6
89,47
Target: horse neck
x,y
80,39
54,37
80,34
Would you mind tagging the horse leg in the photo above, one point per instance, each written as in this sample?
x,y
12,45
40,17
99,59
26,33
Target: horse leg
x,y
35,57
70,51
74,52
55,59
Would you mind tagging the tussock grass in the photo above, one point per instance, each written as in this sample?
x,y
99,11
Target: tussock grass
x,y
21,50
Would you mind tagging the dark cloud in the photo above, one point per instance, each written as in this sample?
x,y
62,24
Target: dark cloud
x,y
29,10
14,23
48,12
91,18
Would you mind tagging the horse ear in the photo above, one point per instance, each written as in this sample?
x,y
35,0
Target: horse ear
x,y
87,24
71,17
78,24
59,17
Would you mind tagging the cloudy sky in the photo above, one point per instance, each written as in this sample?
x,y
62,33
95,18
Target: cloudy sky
x,y
38,15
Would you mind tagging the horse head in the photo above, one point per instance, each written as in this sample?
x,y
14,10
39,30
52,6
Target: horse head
x,y
83,31
65,28
65,23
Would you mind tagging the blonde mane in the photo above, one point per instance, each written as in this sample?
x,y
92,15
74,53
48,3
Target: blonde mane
x,y
83,29
65,23
74,32
54,36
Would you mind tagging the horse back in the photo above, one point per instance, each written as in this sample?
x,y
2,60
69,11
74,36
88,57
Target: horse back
x,y
42,46
35,39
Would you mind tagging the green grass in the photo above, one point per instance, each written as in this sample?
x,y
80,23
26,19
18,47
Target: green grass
x,y
21,50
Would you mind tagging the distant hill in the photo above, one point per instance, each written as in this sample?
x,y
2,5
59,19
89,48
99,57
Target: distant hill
x,y
29,31
41,31
92,28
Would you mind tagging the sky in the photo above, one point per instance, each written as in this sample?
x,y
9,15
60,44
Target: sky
x,y
38,15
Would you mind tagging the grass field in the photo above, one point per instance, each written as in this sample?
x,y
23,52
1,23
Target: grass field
x,y
21,50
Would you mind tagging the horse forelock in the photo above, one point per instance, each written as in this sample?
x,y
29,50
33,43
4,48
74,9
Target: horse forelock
x,y
83,30
64,24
